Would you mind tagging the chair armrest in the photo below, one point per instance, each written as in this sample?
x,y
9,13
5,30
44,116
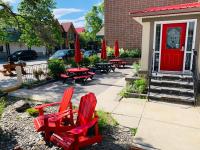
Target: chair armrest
x,y
46,105
81,129
41,107
61,115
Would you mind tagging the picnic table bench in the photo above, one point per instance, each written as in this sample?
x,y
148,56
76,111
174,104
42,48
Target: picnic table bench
x,y
105,67
118,63
8,68
82,74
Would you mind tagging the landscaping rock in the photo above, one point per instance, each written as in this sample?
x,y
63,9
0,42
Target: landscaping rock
x,y
17,132
21,106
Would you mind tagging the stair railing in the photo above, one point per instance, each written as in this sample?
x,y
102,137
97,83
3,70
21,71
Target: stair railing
x,y
195,75
150,75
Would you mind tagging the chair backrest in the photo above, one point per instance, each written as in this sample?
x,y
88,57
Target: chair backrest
x,y
86,109
67,96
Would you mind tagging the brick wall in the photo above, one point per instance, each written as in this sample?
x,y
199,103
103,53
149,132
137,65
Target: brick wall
x,y
119,24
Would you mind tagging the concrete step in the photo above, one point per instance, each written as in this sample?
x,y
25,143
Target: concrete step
x,y
172,77
172,90
172,98
167,83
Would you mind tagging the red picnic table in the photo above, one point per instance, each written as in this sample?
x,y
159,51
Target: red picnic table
x,y
118,62
82,74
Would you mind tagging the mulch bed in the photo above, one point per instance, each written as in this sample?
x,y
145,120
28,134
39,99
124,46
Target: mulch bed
x,y
17,132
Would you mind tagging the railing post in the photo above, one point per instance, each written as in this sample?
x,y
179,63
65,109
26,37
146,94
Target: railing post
x,y
194,75
19,75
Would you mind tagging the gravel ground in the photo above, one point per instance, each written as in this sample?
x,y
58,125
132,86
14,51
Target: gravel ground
x,y
17,132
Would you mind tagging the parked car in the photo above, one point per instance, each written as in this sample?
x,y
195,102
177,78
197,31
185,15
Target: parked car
x,y
23,55
89,53
63,54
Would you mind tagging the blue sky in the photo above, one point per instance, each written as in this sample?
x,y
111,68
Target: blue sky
x,y
68,10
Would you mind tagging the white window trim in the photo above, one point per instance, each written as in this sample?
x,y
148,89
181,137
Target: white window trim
x,y
170,22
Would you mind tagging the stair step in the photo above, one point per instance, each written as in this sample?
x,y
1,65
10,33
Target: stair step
x,y
172,90
172,77
171,98
182,84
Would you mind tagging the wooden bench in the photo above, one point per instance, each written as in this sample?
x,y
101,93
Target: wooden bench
x,y
91,74
64,77
8,68
123,63
84,78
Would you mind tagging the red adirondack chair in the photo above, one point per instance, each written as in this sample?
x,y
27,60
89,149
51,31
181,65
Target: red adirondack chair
x,y
42,122
78,136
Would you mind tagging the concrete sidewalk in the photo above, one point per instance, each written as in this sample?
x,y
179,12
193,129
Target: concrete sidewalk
x,y
161,125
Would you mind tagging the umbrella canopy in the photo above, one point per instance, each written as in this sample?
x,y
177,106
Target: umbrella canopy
x,y
116,48
103,50
77,50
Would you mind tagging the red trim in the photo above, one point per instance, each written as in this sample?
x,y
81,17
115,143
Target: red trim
x,y
166,8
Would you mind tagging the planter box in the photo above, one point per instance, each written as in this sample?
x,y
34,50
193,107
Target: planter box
x,y
130,80
136,95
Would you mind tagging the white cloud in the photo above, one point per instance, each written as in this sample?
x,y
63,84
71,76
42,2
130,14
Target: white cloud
x,y
99,2
10,1
59,12
79,22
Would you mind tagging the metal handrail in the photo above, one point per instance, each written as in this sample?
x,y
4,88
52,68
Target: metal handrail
x,y
195,75
150,75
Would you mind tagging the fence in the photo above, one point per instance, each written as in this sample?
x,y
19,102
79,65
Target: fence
x,y
35,73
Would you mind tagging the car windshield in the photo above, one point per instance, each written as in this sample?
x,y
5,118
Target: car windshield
x,y
60,53
17,52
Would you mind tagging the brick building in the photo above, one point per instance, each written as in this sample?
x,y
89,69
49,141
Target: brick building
x,y
120,25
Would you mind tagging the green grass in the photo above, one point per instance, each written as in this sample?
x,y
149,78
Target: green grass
x,y
32,112
3,103
133,131
105,120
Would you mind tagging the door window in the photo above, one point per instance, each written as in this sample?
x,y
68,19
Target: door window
x,y
190,45
173,38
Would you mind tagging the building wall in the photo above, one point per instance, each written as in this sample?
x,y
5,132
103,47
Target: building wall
x,y
119,24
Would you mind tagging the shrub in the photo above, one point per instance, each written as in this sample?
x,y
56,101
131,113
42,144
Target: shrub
x,y
56,67
133,131
125,91
3,103
85,62
123,53
32,112
140,86
136,53
94,59
110,52
136,68
105,120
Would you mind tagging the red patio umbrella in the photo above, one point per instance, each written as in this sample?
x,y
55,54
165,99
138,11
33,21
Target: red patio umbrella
x,y
103,50
116,48
77,50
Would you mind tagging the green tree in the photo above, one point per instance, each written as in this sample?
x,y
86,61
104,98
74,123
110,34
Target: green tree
x,y
35,22
94,20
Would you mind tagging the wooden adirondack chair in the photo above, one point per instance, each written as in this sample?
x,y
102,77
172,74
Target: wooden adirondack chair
x,y
42,122
78,137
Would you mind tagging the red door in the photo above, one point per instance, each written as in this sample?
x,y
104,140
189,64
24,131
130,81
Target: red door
x,y
172,49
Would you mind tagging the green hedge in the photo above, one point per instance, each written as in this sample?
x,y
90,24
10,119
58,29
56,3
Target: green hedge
x,y
56,67
133,53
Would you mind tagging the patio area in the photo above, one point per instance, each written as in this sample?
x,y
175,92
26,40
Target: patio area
x,y
156,127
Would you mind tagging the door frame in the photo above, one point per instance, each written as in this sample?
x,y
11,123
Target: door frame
x,y
160,50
